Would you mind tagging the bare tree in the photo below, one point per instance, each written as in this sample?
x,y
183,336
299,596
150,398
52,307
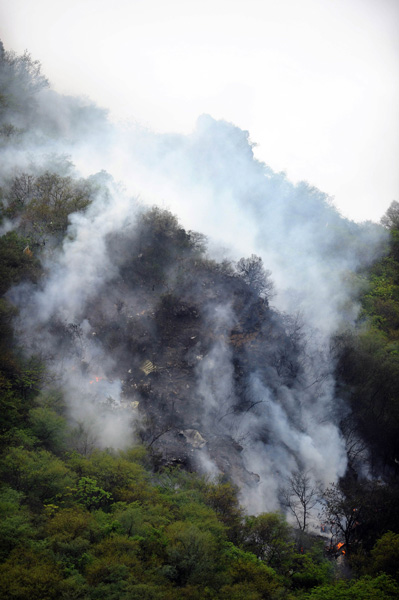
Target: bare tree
x,y
356,448
253,273
343,512
300,496
83,439
20,194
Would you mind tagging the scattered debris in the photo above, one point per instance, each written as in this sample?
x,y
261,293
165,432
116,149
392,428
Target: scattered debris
x,y
194,438
147,367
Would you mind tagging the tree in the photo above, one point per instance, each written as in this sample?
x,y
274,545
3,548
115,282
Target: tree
x,y
112,472
20,80
15,524
365,588
70,532
49,427
391,217
251,270
300,496
16,263
308,573
39,474
83,439
90,495
268,537
356,448
342,512
222,497
191,553
115,560
20,194
30,574
385,555
250,578
54,198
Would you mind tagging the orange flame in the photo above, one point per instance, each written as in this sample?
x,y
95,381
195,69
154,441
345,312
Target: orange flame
x,y
339,545
96,379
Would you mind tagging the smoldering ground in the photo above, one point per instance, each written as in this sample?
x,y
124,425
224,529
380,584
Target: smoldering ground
x,y
129,287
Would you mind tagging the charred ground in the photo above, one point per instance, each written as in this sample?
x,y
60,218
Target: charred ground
x,y
168,308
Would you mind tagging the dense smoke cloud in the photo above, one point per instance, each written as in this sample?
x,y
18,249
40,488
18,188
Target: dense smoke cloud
x,y
212,182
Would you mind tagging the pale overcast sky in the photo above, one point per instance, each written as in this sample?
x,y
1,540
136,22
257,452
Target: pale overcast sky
x,y
315,82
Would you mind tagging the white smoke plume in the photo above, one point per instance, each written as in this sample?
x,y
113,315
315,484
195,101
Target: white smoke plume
x,y
212,182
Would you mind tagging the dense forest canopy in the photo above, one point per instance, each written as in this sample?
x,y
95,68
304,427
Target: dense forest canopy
x,y
194,405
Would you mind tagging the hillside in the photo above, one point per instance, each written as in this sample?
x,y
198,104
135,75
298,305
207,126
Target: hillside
x,y
159,390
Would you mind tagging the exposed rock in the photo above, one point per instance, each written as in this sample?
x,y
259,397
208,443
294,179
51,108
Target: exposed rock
x,y
194,438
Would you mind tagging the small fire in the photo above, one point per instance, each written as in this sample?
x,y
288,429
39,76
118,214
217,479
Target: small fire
x,y
339,546
96,380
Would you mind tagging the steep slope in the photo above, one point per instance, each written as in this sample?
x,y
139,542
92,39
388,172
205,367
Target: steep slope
x,y
151,329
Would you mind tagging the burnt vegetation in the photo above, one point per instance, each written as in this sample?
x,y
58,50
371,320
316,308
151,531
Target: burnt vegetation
x,y
187,334
157,322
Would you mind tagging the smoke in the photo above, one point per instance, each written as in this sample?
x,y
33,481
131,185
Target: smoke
x,y
215,371
283,412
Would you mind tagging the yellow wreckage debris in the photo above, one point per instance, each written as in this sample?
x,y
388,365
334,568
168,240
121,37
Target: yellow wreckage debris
x,y
28,252
147,367
194,438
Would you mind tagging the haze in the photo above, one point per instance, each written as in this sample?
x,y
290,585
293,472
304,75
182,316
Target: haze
x,y
314,82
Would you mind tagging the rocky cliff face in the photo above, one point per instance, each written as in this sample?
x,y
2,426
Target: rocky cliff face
x,y
149,338
184,336
144,334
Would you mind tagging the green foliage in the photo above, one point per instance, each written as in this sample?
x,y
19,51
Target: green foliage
x,y
102,524
191,554
90,495
158,247
49,428
54,198
131,519
371,368
39,206
16,260
309,573
222,497
246,571
385,555
30,574
268,536
144,525
203,517
381,300
391,217
112,471
21,79
368,365
7,313
19,384
365,588
15,523
69,523
170,543
115,559
30,376
148,591
39,474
